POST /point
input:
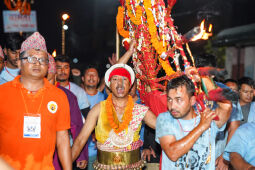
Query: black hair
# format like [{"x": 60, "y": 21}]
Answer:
[
  {"x": 63, "y": 58},
  {"x": 204, "y": 60},
  {"x": 180, "y": 81},
  {"x": 13, "y": 41},
  {"x": 245, "y": 80},
  {"x": 230, "y": 80},
  {"x": 89, "y": 67}
]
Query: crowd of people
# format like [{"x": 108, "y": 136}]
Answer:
[{"x": 48, "y": 122}]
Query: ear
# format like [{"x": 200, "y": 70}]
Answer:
[
  {"x": 82, "y": 78},
  {"x": 193, "y": 100}
]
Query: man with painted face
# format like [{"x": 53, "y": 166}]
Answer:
[
  {"x": 117, "y": 122},
  {"x": 34, "y": 114},
  {"x": 11, "y": 50},
  {"x": 187, "y": 137}
]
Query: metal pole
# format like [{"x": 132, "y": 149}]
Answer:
[{"x": 63, "y": 38}]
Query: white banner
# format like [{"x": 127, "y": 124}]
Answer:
[{"x": 15, "y": 22}]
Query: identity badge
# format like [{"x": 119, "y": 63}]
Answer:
[{"x": 32, "y": 126}]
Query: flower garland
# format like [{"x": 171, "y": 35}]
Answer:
[
  {"x": 166, "y": 66},
  {"x": 119, "y": 22},
  {"x": 23, "y": 7},
  {"x": 136, "y": 20},
  {"x": 127, "y": 117},
  {"x": 158, "y": 45}
]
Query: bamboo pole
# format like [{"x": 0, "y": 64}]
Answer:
[{"x": 117, "y": 45}]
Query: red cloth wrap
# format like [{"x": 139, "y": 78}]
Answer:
[{"x": 120, "y": 72}]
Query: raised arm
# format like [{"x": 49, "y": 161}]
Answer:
[
  {"x": 88, "y": 127},
  {"x": 123, "y": 60},
  {"x": 175, "y": 149},
  {"x": 223, "y": 110}
]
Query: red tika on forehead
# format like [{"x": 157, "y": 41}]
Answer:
[{"x": 120, "y": 72}]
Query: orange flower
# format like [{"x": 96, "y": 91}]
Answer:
[
  {"x": 166, "y": 66},
  {"x": 119, "y": 22},
  {"x": 127, "y": 117},
  {"x": 158, "y": 45},
  {"x": 136, "y": 20}
]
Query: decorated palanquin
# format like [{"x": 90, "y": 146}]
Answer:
[{"x": 160, "y": 51}]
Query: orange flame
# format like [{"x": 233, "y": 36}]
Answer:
[
  {"x": 54, "y": 53},
  {"x": 203, "y": 34}
]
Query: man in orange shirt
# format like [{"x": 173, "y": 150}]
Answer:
[{"x": 34, "y": 115}]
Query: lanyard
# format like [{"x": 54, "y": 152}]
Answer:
[
  {"x": 26, "y": 108},
  {"x": 182, "y": 127}
]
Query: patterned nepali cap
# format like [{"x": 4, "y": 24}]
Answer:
[
  {"x": 1, "y": 52},
  {"x": 35, "y": 41},
  {"x": 52, "y": 64}
]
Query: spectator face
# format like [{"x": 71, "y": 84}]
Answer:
[
  {"x": 63, "y": 71},
  {"x": 246, "y": 93},
  {"x": 12, "y": 57},
  {"x": 36, "y": 66},
  {"x": 119, "y": 86},
  {"x": 91, "y": 78},
  {"x": 233, "y": 86},
  {"x": 179, "y": 102}
]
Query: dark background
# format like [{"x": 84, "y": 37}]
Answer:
[{"x": 91, "y": 33}]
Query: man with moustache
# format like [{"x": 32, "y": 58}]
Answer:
[
  {"x": 34, "y": 114},
  {"x": 187, "y": 138},
  {"x": 90, "y": 80},
  {"x": 117, "y": 122},
  {"x": 11, "y": 50},
  {"x": 63, "y": 73}
]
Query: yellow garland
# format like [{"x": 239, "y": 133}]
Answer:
[
  {"x": 165, "y": 64},
  {"x": 158, "y": 45},
  {"x": 136, "y": 20},
  {"x": 119, "y": 22}
]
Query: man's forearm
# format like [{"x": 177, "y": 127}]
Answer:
[
  {"x": 238, "y": 162},
  {"x": 64, "y": 150},
  {"x": 178, "y": 148}
]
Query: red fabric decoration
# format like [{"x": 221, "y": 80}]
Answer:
[
  {"x": 126, "y": 45},
  {"x": 120, "y": 72}
]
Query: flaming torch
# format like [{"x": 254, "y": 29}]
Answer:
[
  {"x": 203, "y": 34},
  {"x": 54, "y": 53},
  {"x": 198, "y": 33}
]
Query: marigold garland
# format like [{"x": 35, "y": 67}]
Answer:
[
  {"x": 158, "y": 45},
  {"x": 166, "y": 66},
  {"x": 119, "y": 22},
  {"x": 127, "y": 117},
  {"x": 136, "y": 20}
]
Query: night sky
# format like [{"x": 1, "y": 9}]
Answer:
[{"x": 91, "y": 33}]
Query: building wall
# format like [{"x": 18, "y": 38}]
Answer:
[{"x": 246, "y": 66}]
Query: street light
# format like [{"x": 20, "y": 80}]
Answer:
[{"x": 64, "y": 27}]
